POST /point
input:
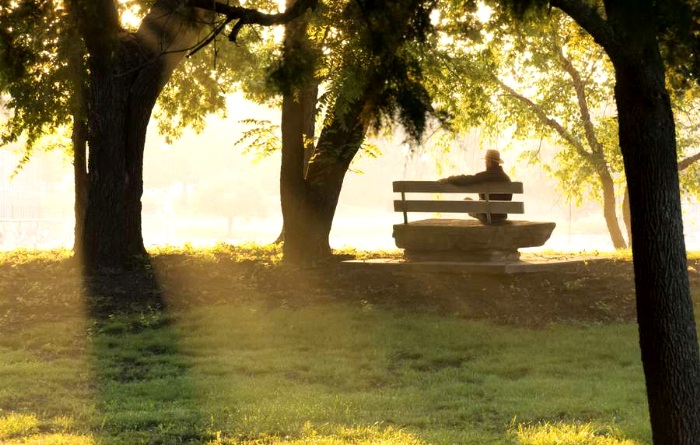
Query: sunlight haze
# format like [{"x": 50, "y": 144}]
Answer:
[{"x": 203, "y": 189}]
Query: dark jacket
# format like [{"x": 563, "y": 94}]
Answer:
[{"x": 492, "y": 174}]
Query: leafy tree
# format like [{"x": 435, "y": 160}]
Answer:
[
  {"x": 366, "y": 79},
  {"x": 376, "y": 76},
  {"x": 118, "y": 79},
  {"x": 550, "y": 79},
  {"x": 633, "y": 35}
]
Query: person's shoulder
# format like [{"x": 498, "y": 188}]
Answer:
[{"x": 503, "y": 174}]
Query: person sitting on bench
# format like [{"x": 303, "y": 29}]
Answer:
[{"x": 493, "y": 173}]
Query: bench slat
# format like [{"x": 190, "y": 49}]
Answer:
[
  {"x": 439, "y": 187},
  {"x": 459, "y": 206}
]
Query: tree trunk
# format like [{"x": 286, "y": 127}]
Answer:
[
  {"x": 609, "y": 210},
  {"x": 79, "y": 136},
  {"x": 127, "y": 73},
  {"x": 667, "y": 332},
  {"x": 306, "y": 109},
  {"x": 298, "y": 129},
  {"x": 309, "y": 99},
  {"x": 295, "y": 206},
  {"x": 80, "y": 176},
  {"x": 104, "y": 240},
  {"x": 337, "y": 146}
]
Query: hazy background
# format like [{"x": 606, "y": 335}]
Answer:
[{"x": 204, "y": 189}]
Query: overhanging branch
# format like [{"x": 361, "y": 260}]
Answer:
[
  {"x": 546, "y": 120},
  {"x": 581, "y": 99},
  {"x": 247, "y": 16},
  {"x": 589, "y": 19}
]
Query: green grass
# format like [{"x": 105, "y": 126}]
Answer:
[{"x": 330, "y": 374}]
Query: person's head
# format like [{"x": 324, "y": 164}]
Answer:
[{"x": 493, "y": 158}]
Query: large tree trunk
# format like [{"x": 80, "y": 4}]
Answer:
[
  {"x": 104, "y": 238},
  {"x": 79, "y": 140},
  {"x": 298, "y": 129},
  {"x": 610, "y": 210},
  {"x": 667, "y": 332},
  {"x": 295, "y": 207},
  {"x": 127, "y": 73},
  {"x": 298, "y": 107}
]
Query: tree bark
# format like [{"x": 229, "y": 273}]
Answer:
[
  {"x": 298, "y": 130},
  {"x": 667, "y": 332},
  {"x": 295, "y": 204},
  {"x": 103, "y": 239},
  {"x": 80, "y": 176},
  {"x": 298, "y": 120}
]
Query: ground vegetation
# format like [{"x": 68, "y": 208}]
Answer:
[{"x": 233, "y": 346}]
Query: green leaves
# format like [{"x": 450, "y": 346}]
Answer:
[{"x": 262, "y": 139}]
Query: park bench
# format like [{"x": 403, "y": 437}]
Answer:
[{"x": 464, "y": 239}]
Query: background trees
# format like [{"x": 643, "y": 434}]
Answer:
[
  {"x": 341, "y": 74},
  {"x": 549, "y": 79},
  {"x": 556, "y": 81}
]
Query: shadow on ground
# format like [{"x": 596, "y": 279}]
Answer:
[{"x": 143, "y": 393}]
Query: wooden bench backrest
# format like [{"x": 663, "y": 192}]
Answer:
[{"x": 487, "y": 206}]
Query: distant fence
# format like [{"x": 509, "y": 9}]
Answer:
[
  {"x": 19, "y": 213},
  {"x": 30, "y": 206}
]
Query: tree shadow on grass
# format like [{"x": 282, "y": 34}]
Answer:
[{"x": 143, "y": 391}]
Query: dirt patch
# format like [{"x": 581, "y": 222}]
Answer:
[{"x": 600, "y": 291}]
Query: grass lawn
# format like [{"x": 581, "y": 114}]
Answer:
[{"x": 215, "y": 352}]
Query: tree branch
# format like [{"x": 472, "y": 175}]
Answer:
[
  {"x": 552, "y": 123},
  {"x": 582, "y": 100},
  {"x": 687, "y": 162},
  {"x": 247, "y": 16},
  {"x": 212, "y": 35},
  {"x": 588, "y": 18}
]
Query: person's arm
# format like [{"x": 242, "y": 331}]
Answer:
[
  {"x": 484, "y": 176},
  {"x": 460, "y": 179}
]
